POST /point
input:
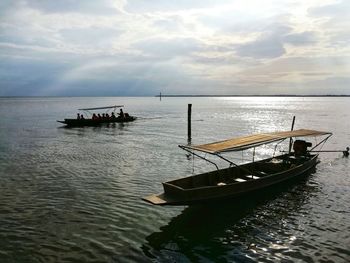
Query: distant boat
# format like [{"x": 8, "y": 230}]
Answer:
[
  {"x": 94, "y": 120},
  {"x": 238, "y": 180}
]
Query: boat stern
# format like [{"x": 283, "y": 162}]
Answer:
[
  {"x": 155, "y": 199},
  {"x": 162, "y": 199}
]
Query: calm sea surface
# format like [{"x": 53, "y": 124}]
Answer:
[{"x": 74, "y": 195}]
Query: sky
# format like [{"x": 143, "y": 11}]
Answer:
[{"x": 143, "y": 47}]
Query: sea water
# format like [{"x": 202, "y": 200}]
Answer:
[{"x": 74, "y": 195}]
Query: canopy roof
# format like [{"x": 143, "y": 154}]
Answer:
[
  {"x": 246, "y": 142},
  {"x": 100, "y": 108}
]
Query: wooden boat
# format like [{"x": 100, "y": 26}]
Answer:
[
  {"x": 238, "y": 180},
  {"x": 98, "y": 121}
]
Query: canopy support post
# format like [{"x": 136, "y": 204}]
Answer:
[
  {"x": 201, "y": 157},
  {"x": 323, "y": 141},
  {"x": 291, "y": 139},
  {"x": 189, "y": 115}
]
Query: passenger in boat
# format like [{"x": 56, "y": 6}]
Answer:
[
  {"x": 78, "y": 116},
  {"x": 107, "y": 116},
  {"x": 113, "y": 115},
  {"x": 103, "y": 116},
  {"x": 94, "y": 117},
  {"x": 99, "y": 116},
  {"x": 121, "y": 113},
  {"x": 82, "y": 117}
]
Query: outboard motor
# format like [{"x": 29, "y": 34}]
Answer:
[{"x": 300, "y": 147}]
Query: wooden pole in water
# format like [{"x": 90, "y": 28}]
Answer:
[
  {"x": 189, "y": 115},
  {"x": 291, "y": 140}
]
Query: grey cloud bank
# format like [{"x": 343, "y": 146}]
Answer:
[{"x": 139, "y": 48}]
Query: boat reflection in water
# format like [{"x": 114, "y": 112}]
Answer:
[{"x": 233, "y": 230}]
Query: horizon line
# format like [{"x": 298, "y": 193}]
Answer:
[
  {"x": 254, "y": 95},
  {"x": 182, "y": 95}
]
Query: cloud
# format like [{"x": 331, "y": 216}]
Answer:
[
  {"x": 6, "y": 6},
  {"x": 269, "y": 45},
  {"x": 90, "y": 36},
  {"x": 301, "y": 65},
  {"x": 335, "y": 21},
  {"x": 169, "y": 48},
  {"x": 96, "y": 77},
  {"x": 100, "y": 7},
  {"x": 166, "y": 6},
  {"x": 170, "y": 23},
  {"x": 120, "y": 47},
  {"x": 301, "y": 75},
  {"x": 23, "y": 77},
  {"x": 329, "y": 85},
  {"x": 300, "y": 39},
  {"x": 335, "y": 10}
]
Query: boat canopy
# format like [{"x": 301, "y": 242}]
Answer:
[
  {"x": 246, "y": 142},
  {"x": 101, "y": 108}
]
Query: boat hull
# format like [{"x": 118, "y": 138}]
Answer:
[
  {"x": 90, "y": 122},
  {"x": 208, "y": 186}
]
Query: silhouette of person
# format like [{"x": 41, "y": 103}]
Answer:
[{"x": 121, "y": 113}]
